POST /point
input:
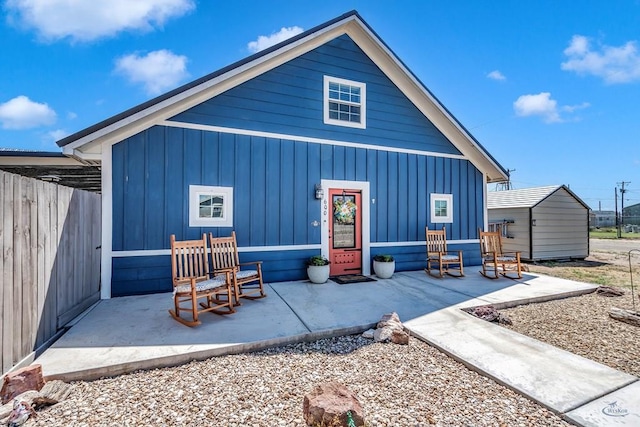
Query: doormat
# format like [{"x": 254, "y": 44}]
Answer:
[{"x": 351, "y": 278}]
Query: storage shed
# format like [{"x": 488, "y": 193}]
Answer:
[{"x": 543, "y": 223}]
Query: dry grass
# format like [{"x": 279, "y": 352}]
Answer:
[{"x": 600, "y": 268}]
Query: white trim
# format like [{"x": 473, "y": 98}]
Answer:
[
  {"x": 436, "y": 197},
  {"x": 167, "y": 252},
  {"x": 325, "y": 214},
  {"x": 161, "y": 252},
  {"x": 195, "y": 191},
  {"x": 107, "y": 224},
  {"x": 362, "y": 124},
  {"x": 485, "y": 206},
  {"x": 299, "y": 138},
  {"x": 422, "y": 243}
]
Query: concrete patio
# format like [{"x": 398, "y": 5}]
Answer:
[{"x": 126, "y": 334}]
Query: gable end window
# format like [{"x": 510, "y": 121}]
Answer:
[
  {"x": 210, "y": 206},
  {"x": 345, "y": 103},
  {"x": 441, "y": 208}
]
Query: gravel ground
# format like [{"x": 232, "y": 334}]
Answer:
[
  {"x": 582, "y": 326},
  {"x": 412, "y": 385}
]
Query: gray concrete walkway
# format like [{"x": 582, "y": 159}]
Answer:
[{"x": 126, "y": 334}]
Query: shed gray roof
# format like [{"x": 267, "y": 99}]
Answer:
[{"x": 524, "y": 197}]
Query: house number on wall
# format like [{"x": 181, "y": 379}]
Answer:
[{"x": 325, "y": 208}]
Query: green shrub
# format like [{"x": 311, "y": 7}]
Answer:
[{"x": 317, "y": 260}]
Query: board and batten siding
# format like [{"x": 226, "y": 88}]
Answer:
[
  {"x": 289, "y": 100},
  {"x": 562, "y": 228},
  {"x": 273, "y": 182},
  {"x": 519, "y": 233}
]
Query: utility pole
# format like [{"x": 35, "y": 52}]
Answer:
[
  {"x": 618, "y": 233},
  {"x": 506, "y": 185},
  {"x": 622, "y": 191}
]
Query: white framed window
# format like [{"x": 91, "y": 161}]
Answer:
[
  {"x": 441, "y": 208},
  {"x": 210, "y": 206},
  {"x": 345, "y": 102}
]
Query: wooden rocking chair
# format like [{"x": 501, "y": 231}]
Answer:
[
  {"x": 438, "y": 255},
  {"x": 247, "y": 283},
  {"x": 192, "y": 281},
  {"x": 495, "y": 262}
]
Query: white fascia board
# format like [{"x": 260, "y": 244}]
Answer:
[
  {"x": 38, "y": 161},
  {"x": 432, "y": 109},
  {"x": 182, "y": 101}
]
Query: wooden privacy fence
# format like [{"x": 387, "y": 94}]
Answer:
[{"x": 50, "y": 264}]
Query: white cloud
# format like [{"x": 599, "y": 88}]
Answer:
[
  {"x": 22, "y": 113},
  {"x": 264, "y": 42},
  {"x": 612, "y": 64},
  {"x": 84, "y": 20},
  {"x": 58, "y": 134},
  {"x": 157, "y": 71},
  {"x": 544, "y": 106},
  {"x": 538, "y": 105},
  {"x": 71, "y": 115},
  {"x": 496, "y": 75},
  {"x": 574, "y": 108}
]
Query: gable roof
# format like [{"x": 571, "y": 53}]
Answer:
[
  {"x": 525, "y": 197},
  {"x": 86, "y": 145}
]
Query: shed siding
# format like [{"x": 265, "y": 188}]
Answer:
[
  {"x": 274, "y": 202},
  {"x": 289, "y": 100},
  {"x": 519, "y": 239},
  {"x": 562, "y": 228}
]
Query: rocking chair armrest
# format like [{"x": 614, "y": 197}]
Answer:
[
  {"x": 491, "y": 254},
  {"x": 458, "y": 253},
  {"x": 226, "y": 270},
  {"x": 251, "y": 263},
  {"x": 513, "y": 253},
  {"x": 187, "y": 280}
]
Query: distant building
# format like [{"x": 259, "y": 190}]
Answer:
[
  {"x": 631, "y": 214},
  {"x": 601, "y": 219}
]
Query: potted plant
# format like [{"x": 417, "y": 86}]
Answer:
[
  {"x": 384, "y": 266},
  {"x": 318, "y": 269}
]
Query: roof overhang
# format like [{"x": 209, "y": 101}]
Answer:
[{"x": 52, "y": 167}]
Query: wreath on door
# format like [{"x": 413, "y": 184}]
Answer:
[{"x": 344, "y": 211}]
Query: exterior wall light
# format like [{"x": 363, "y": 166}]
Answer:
[{"x": 319, "y": 192}]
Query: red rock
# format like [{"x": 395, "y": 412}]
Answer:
[
  {"x": 17, "y": 382},
  {"x": 327, "y": 406}
]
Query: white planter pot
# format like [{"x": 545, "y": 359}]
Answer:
[
  {"x": 384, "y": 270},
  {"x": 318, "y": 273}
]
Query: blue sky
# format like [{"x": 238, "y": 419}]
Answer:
[{"x": 550, "y": 88}]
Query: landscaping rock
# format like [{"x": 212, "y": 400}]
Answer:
[
  {"x": 368, "y": 333},
  {"x": 390, "y": 329},
  {"x": 328, "y": 405},
  {"x": 399, "y": 337},
  {"x": 17, "y": 382},
  {"x": 608, "y": 291},
  {"x": 490, "y": 314}
]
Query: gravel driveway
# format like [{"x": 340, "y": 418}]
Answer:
[{"x": 613, "y": 245}]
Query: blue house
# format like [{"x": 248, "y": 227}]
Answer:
[{"x": 323, "y": 144}]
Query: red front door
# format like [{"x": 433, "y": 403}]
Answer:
[{"x": 345, "y": 231}]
